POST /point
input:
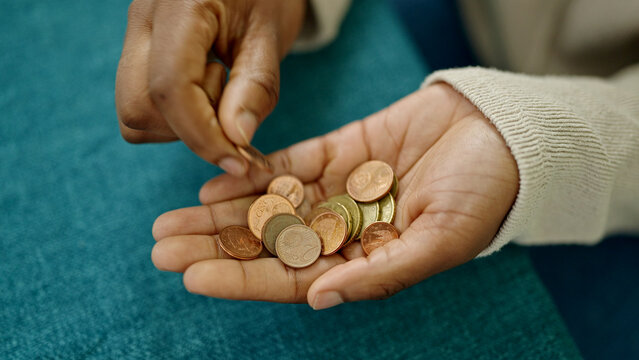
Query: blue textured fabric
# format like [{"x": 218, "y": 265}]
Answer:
[{"x": 77, "y": 204}]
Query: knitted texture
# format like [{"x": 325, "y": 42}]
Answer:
[{"x": 576, "y": 143}]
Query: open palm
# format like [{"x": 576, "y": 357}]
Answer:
[{"x": 457, "y": 182}]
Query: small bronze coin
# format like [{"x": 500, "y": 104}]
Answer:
[
  {"x": 387, "y": 209},
  {"x": 263, "y": 208},
  {"x": 332, "y": 230},
  {"x": 289, "y": 187},
  {"x": 353, "y": 211},
  {"x": 378, "y": 234},
  {"x": 314, "y": 213},
  {"x": 239, "y": 242},
  {"x": 274, "y": 226},
  {"x": 298, "y": 246},
  {"x": 370, "y": 181},
  {"x": 254, "y": 156},
  {"x": 341, "y": 211}
]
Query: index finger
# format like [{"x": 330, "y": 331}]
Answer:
[{"x": 183, "y": 33}]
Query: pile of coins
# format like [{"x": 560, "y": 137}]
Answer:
[{"x": 284, "y": 223}]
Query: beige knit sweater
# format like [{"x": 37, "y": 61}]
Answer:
[{"x": 565, "y": 99}]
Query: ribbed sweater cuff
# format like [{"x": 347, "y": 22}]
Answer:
[{"x": 553, "y": 148}]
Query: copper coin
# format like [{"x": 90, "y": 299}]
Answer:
[
  {"x": 332, "y": 230},
  {"x": 239, "y": 242},
  {"x": 304, "y": 209},
  {"x": 274, "y": 226},
  {"x": 254, "y": 156},
  {"x": 263, "y": 208},
  {"x": 314, "y": 213},
  {"x": 289, "y": 187},
  {"x": 298, "y": 246},
  {"x": 378, "y": 234},
  {"x": 370, "y": 181}
]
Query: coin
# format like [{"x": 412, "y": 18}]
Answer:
[
  {"x": 387, "y": 209},
  {"x": 378, "y": 234},
  {"x": 314, "y": 213},
  {"x": 332, "y": 230},
  {"x": 254, "y": 156},
  {"x": 395, "y": 186},
  {"x": 298, "y": 246},
  {"x": 370, "y": 214},
  {"x": 274, "y": 226},
  {"x": 263, "y": 208},
  {"x": 353, "y": 211},
  {"x": 341, "y": 211},
  {"x": 370, "y": 181},
  {"x": 289, "y": 187},
  {"x": 239, "y": 242}
]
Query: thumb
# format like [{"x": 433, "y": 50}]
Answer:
[
  {"x": 253, "y": 88},
  {"x": 419, "y": 253}
]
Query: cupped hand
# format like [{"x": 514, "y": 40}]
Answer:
[
  {"x": 166, "y": 88},
  {"x": 457, "y": 182}
]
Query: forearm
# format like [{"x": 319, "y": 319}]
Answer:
[{"x": 576, "y": 143}]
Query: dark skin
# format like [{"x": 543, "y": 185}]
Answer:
[{"x": 457, "y": 177}]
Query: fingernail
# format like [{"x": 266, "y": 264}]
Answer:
[
  {"x": 246, "y": 125},
  {"x": 327, "y": 300},
  {"x": 233, "y": 166}
]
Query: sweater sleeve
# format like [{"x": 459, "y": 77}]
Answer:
[
  {"x": 321, "y": 26},
  {"x": 576, "y": 144}
]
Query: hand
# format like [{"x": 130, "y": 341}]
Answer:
[
  {"x": 457, "y": 182},
  {"x": 166, "y": 90}
]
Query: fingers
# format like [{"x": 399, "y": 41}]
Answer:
[
  {"x": 177, "y": 253},
  {"x": 139, "y": 120},
  {"x": 266, "y": 279},
  {"x": 214, "y": 79},
  {"x": 182, "y": 36},
  {"x": 305, "y": 160},
  {"x": 418, "y": 254},
  {"x": 254, "y": 85},
  {"x": 202, "y": 220}
]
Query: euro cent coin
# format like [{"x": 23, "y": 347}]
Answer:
[
  {"x": 377, "y": 235},
  {"x": 239, "y": 242},
  {"x": 274, "y": 226},
  {"x": 370, "y": 214},
  {"x": 387, "y": 208},
  {"x": 370, "y": 181},
  {"x": 332, "y": 230},
  {"x": 289, "y": 187},
  {"x": 354, "y": 212},
  {"x": 298, "y": 246},
  {"x": 255, "y": 157},
  {"x": 263, "y": 208}
]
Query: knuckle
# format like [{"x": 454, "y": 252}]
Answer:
[
  {"x": 268, "y": 81},
  {"x": 162, "y": 88},
  {"x": 388, "y": 289},
  {"x": 133, "y": 118},
  {"x": 137, "y": 8}
]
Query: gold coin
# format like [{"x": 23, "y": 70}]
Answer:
[
  {"x": 353, "y": 211},
  {"x": 370, "y": 214},
  {"x": 395, "y": 187},
  {"x": 289, "y": 187},
  {"x": 274, "y": 226},
  {"x": 298, "y": 246},
  {"x": 332, "y": 230},
  {"x": 341, "y": 211},
  {"x": 255, "y": 157},
  {"x": 387, "y": 209},
  {"x": 378, "y": 234},
  {"x": 370, "y": 181},
  {"x": 263, "y": 208}
]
